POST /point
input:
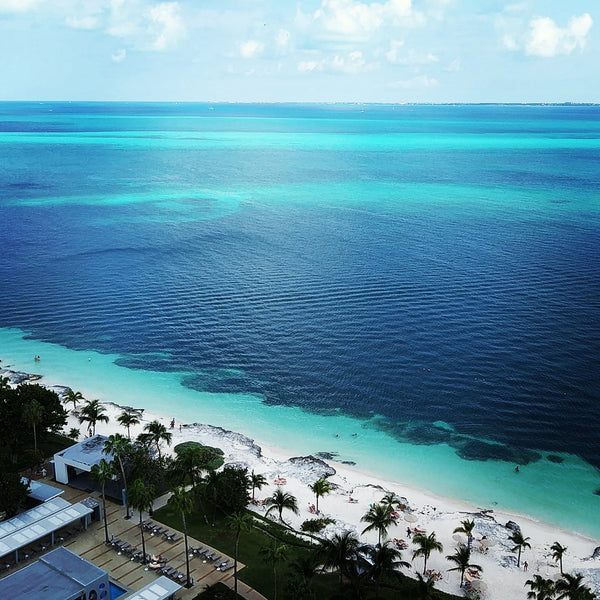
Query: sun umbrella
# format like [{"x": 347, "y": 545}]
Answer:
[
  {"x": 488, "y": 543},
  {"x": 411, "y": 518},
  {"x": 478, "y": 585},
  {"x": 457, "y": 537}
]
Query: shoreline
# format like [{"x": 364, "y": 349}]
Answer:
[{"x": 433, "y": 512}]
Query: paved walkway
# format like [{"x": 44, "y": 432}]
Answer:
[{"x": 132, "y": 574}]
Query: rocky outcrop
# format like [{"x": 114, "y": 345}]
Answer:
[{"x": 513, "y": 527}]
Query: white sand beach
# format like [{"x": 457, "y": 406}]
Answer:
[{"x": 355, "y": 490}]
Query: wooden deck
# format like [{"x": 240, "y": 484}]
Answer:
[{"x": 90, "y": 544}]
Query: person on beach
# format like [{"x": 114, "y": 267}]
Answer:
[
  {"x": 525, "y": 566},
  {"x": 517, "y": 469},
  {"x": 408, "y": 532}
]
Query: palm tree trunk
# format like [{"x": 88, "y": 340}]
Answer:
[
  {"x": 127, "y": 516},
  {"x": 187, "y": 556},
  {"x": 275, "y": 581},
  {"x": 235, "y": 561},
  {"x": 104, "y": 514},
  {"x": 143, "y": 540},
  {"x": 519, "y": 559},
  {"x": 424, "y": 563},
  {"x": 34, "y": 439}
]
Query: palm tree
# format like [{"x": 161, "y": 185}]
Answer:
[
  {"x": 281, "y": 500},
  {"x": 158, "y": 433},
  {"x": 102, "y": 472},
  {"x": 558, "y": 552},
  {"x": 238, "y": 521},
  {"x": 127, "y": 419},
  {"x": 462, "y": 559},
  {"x": 391, "y": 500},
  {"x": 425, "y": 587},
  {"x": 117, "y": 446},
  {"x": 141, "y": 496},
  {"x": 257, "y": 482},
  {"x": 73, "y": 433},
  {"x": 273, "y": 555},
  {"x": 339, "y": 551},
  {"x": 520, "y": 543},
  {"x": 91, "y": 413},
  {"x": 541, "y": 589},
  {"x": 319, "y": 488},
  {"x": 427, "y": 544},
  {"x": 181, "y": 502},
  {"x": 305, "y": 567},
  {"x": 571, "y": 587},
  {"x": 74, "y": 397},
  {"x": 380, "y": 518},
  {"x": 383, "y": 559},
  {"x": 466, "y": 527},
  {"x": 33, "y": 412}
]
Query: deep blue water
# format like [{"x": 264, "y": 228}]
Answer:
[{"x": 422, "y": 263}]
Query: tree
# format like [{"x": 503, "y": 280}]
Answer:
[
  {"x": 558, "y": 552},
  {"x": 466, "y": 527},
  {"x": 319, "y": 488},
  {"x": 116, "y": 446},
  {"x": 91, "y": 413},
  {"x": 238, "y": 522},
  {"x": 541, "y": 589},
  {"x": 380, "y": 518},
  {"x": 73, "y": 433},
  {"x": 232, "y": 489},
  {"x": 13, "y": 492},
  {"x": 32, "y": 415},
  {"x": 425, "y": 587},
  {"x": 257, "y": 481},
  {"x": 427, "y": 544},
  {"x": 520, "y": 543},
  {"x": 127, "y": 419},
  {"x": 571, "y": 587},
  {"x": 391, "y": 500},
  {"x": 157, "y": 433},
  {"x": 101, "y": 473},
  {"x": 462, "y": 559},
  {"x": 182, "y": 503},
  {"x": 74, "y": 397},
  {"x": 141, "y": 496},
  {"x": 273, "y": 555},
  {"x": 338, "y": 552},
  {"x": 281, "y": 500},
  {"x": 383, "y": 559}
]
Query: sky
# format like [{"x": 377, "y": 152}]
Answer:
[{"x": 301, "y": 51}]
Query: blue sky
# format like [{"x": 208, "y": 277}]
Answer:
[{"x": 304, "y": 50}]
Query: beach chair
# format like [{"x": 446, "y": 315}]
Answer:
[
  {"x": 227, "y": 567},
  {"x": 176, "y": 538}
]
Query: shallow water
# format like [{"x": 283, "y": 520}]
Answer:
[{"x": 425, "y": 276}]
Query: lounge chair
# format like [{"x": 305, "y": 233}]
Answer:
[
  {"x": 176, "y": 538},
  {"x": 227, "y": 567}
]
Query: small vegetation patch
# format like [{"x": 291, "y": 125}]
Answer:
[{"x": 316, "y": 525}]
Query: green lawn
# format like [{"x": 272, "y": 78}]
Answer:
[{"x": 259, "y": 575}]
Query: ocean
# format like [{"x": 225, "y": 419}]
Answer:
[{"x": 425, "y": 277}]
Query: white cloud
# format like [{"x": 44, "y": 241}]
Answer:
[
  {"x": 19, "y": 6},
  {"x": 166, "y": 25},
  {"x": 251, "y": 48},
  {"x": 282, "y": 39},
  {"x": 119, "y": 55},
  {"x": 350, "y": 62},
  {"x": 420, "y": 81},
  {"x": 547, "y": 39},
  {"x": 454, "y": 66},
  {"x": 410, "y": 58},
  {"x": 358, "y": 20},
  {"x": 87, "y": 22}
]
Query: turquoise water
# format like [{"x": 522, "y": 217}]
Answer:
[
  {"x": 425, "y": 276},
  {"x": 560, "y": 494}
]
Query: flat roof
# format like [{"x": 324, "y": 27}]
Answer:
[
  {"x": 85, "y": 454},
  {"x": 161, "y": 589},
  {"x": 43, "y": 527},
  {"x": 42, "y": 492},
  {"x": 31, "y": 516},
  {"x": 57, "y": 575}
]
